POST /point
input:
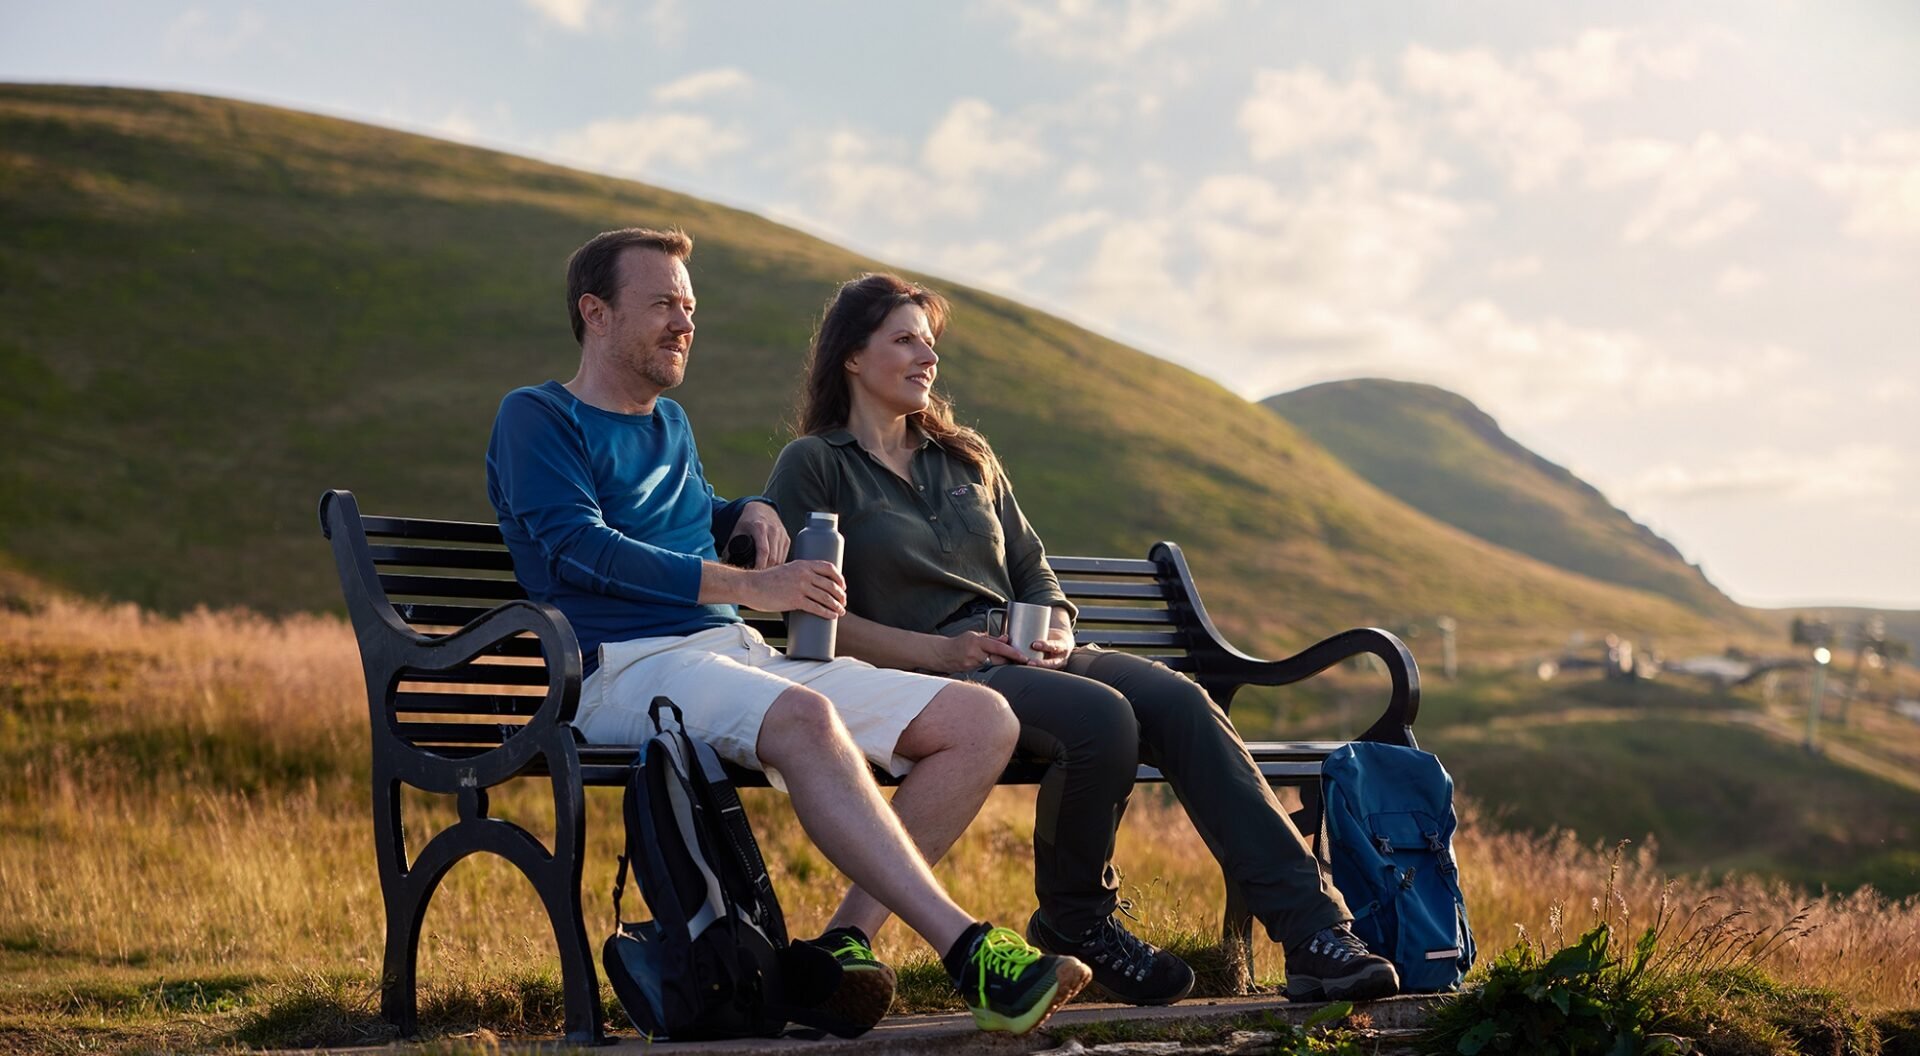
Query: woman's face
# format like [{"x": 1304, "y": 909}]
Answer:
[{"x": 894, "y": 373}]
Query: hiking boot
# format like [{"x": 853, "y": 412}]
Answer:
[
  {"x": 1334, "y": 965},
  {"x": 865, "y": 990},
  {"x": 1011, "y": 986},
  {"x": 1124, "y": 965}
]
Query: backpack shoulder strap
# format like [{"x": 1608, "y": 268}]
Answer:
[{"x": 742, "y": 869}]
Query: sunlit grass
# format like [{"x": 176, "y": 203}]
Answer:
[{"x": 189, "y": 860}]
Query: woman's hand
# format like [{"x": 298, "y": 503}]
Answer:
[
  {"x": 971, "y": 649},
  {"x": 1058, "y": 644}
]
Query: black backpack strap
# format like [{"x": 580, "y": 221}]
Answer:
[
  {"x": 743, "y": 872},
  {"x": 653, "y": 714}
]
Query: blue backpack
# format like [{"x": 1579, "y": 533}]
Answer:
[{"x": 1389, "y": 824}]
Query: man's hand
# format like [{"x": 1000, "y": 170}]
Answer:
[
  {"x": 760, "y": 523},
  {"x": 1057, "y": 645},
  {"x": 797, "y": 586},
  {"x": 971, "y": 649}
]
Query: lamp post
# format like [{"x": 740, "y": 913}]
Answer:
[{"x": 1816, "y": 692}]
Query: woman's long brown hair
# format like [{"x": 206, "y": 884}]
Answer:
[{"x": 854, "y": 312}]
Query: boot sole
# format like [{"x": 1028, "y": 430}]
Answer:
[
  {"x": 858, "y": 1004},
  {"x": 1377, "y": 981},
  {"x": 1069, "y": 978}
]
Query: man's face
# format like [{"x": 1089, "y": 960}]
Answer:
[{"x": 650, "y": 322}]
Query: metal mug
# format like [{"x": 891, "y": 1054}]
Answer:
[{"x": 1027, "y": 624}]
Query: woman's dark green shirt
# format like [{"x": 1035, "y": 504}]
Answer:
[{"x": 917, "y": 552}]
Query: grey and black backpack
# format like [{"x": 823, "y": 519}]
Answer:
[{"x": 714, "y": 962}]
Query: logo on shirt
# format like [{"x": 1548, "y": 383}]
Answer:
[{"x": 961, "y": 491}]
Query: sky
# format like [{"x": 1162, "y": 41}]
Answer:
[{"x": 1674, "y": 247}]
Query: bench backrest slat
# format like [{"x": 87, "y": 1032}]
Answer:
[
  {"x": 1112, "y": 590},
  {"x": 466, "y": 557},
  {"x": 477, "y": 704}
]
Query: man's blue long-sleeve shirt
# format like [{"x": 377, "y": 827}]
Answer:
[{"x": 608, "y": 516}]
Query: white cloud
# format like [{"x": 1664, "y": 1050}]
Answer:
[
  {"x": 196, "y": 34},
  {"x": 1606, "y": 63},
  {"x": 1847, "y": 472},
  {"x": 1069, "y": 225},
  {"x": 860, "y": 178},
  {"x": 971, "y": 140},
  {"x": 859, "y": 181},
  {"x": 1505, "y": 113},
  {"x": 1295, "y": 111},
  {"x": 1507, "y": 269},
  {"x": 726, "y": 80},
  {"x": 1099, "y": 30},
  {"x": 1692, "y": 184},
  {"x": 568, "y": 14},
  {"x": 1081, "y": 179},
  {"x": 1736, "y": 281},
  {"x": 1258, "y": 268},
  {"x": 1879, "y": 180},
  {"x": 643, "y": 144}
]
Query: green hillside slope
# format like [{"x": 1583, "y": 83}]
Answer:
[
  {"x": 1447, "y": 458},
  {"x": 216, "y": 310}
]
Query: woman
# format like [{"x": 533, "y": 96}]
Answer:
[{"x": 936, "y": 545}]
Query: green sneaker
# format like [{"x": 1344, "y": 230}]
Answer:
[
  {"x": 1012, "y": 986},
  {"x": 865, "y": 990}
]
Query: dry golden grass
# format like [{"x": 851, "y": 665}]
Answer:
[{"x": 184, "y": 803}]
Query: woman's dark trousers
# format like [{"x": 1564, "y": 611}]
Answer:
[{"x": 1094, "y": 721}]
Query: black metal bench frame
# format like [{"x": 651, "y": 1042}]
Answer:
[{"x": 470, "y": 685}]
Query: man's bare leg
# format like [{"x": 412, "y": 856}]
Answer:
[
  {"x": 841, "y": 809},
  {"x": 959, "y": 744}
]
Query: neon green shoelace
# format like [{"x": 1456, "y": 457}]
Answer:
[
  {"x": 851, "y": 947},
  {"x": 1004, "y": 953}
]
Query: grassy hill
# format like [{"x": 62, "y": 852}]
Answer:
[
  {"x": 1447, "y": 458},
  {"x": 216, "y": 310}
]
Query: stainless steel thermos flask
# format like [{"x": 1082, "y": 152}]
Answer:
[{"x": 811, "y": 637}]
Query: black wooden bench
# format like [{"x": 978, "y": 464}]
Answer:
[{"x": 469, "y": 685}]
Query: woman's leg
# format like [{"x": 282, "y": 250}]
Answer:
[
  {"x": 1087, "y": 732},
  {"x": 1189, "y": 738}
]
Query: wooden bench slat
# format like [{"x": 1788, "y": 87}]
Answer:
[
  {"x": 425, "y": 528},
  {"x": 1123, "y": 614},
  {"x": 454, "y": 732},
  {"x": 1086, "y": 588},
  {"x": 425, "y": 614},
  {"x": 478, "y": 704},
  {"x": 472, "y": 558},
  {"x": 483, "y": 675},
  {"x": 1102, "y": 566},
  {"x": 450, "y": 586},
  {"x": 1099, "y": 636}
]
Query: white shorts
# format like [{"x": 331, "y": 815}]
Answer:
[{"x": 725, "y": 678}]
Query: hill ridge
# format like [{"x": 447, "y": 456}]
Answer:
[
  {"x": 289, "y": 303},
  {"x": 1440, "y": 453}
]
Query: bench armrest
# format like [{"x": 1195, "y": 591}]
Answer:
[
  {"x": 1227, "y": 668},
  {"x": 1395, "y": 724},
  {"x": 389, "y": 649}
]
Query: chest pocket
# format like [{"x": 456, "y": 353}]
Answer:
[{"x": 974, "y": 509}]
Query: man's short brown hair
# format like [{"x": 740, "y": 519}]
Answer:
[{"x": 595, "y": 267}]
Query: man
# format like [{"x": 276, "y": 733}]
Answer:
[{"x": 609, "y": 517}]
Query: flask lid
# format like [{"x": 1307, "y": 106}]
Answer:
[{"x": 823, "y": 518}]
